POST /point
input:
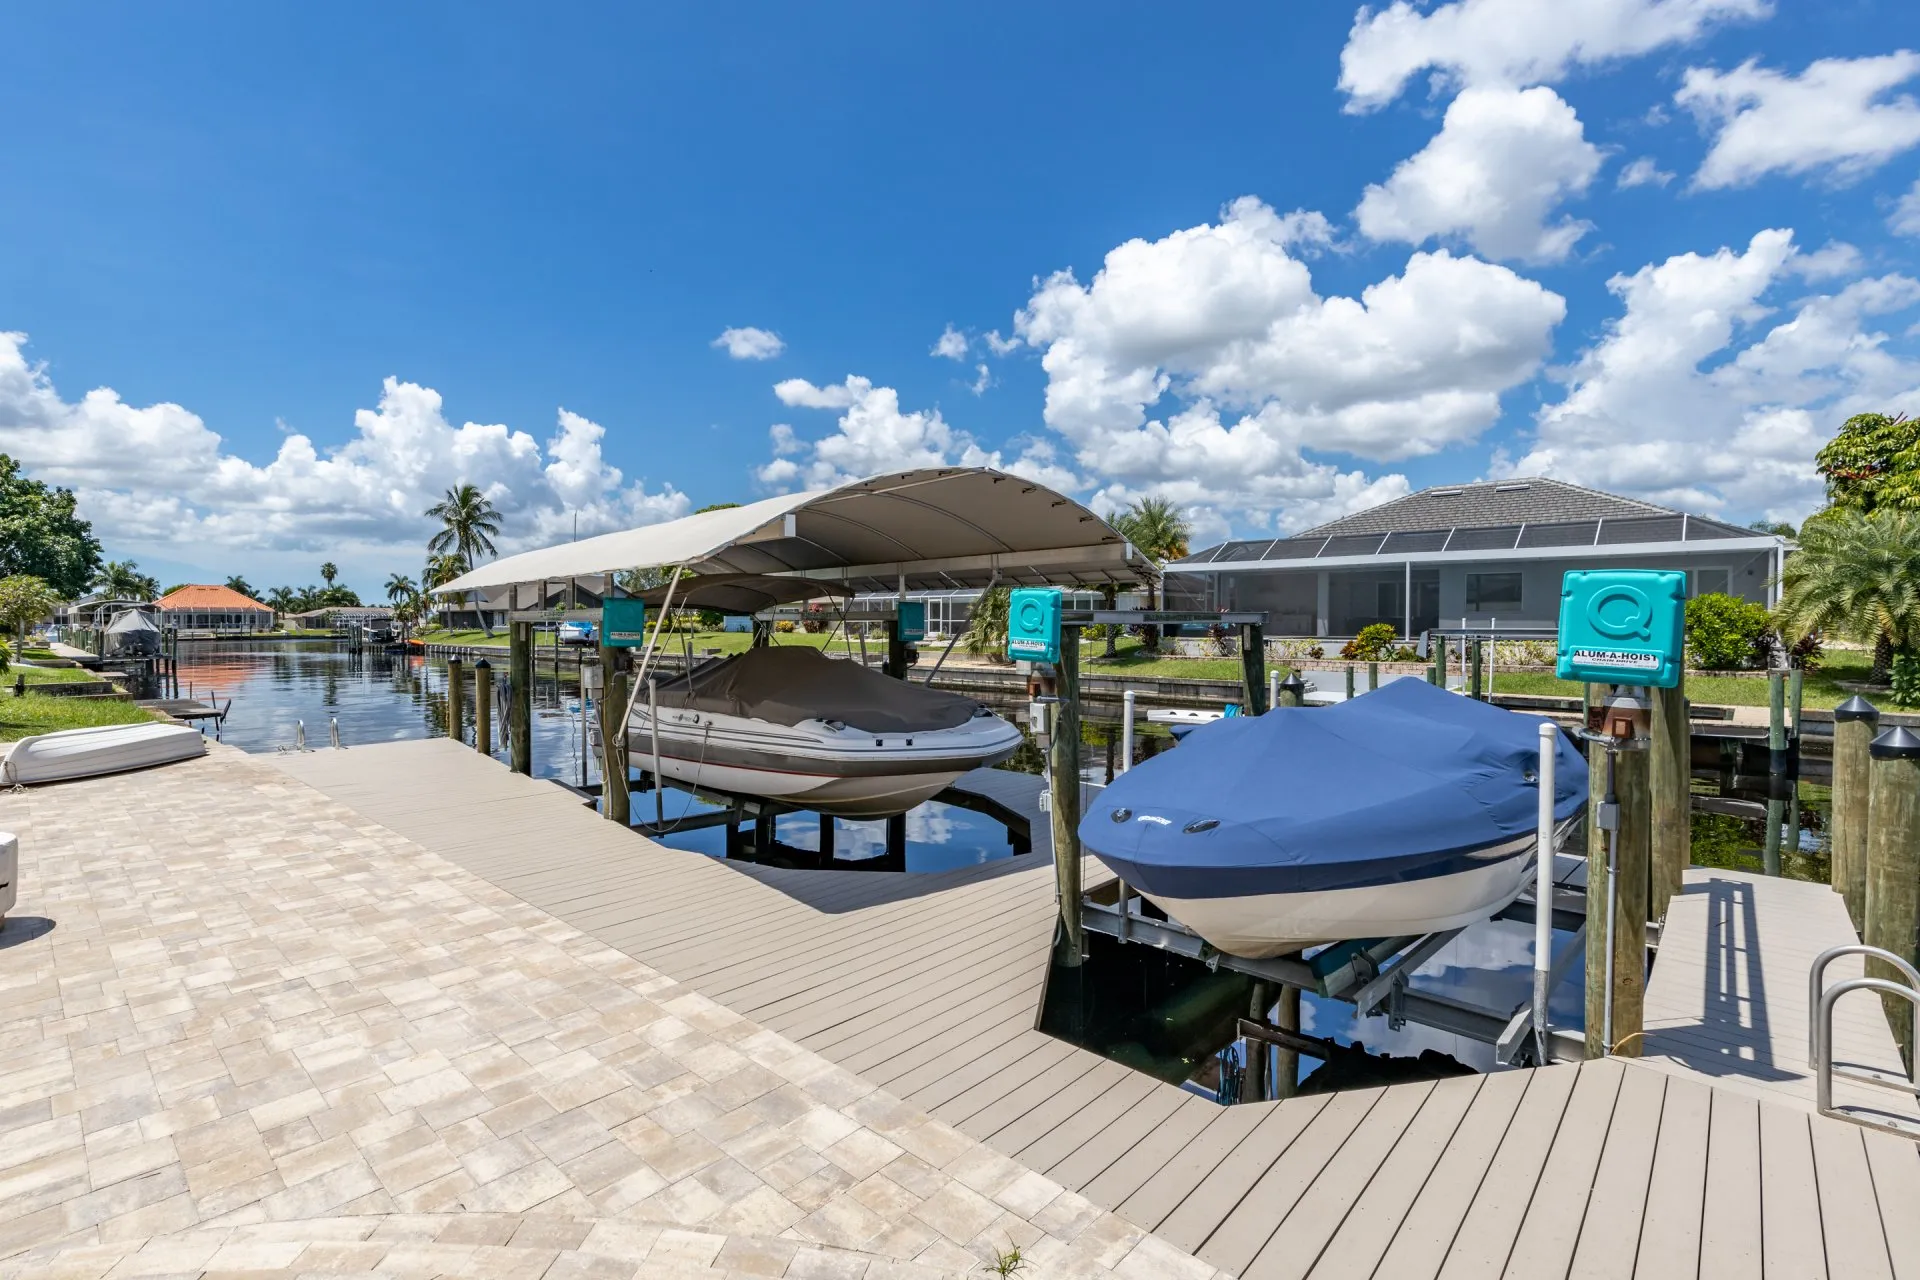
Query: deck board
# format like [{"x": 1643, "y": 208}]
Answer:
[{"x": 928, "y": 986}]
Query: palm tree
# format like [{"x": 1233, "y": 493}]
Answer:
[
  {"x": 329, "y": 571},
  {"x": 1160, "y": 531},
  {"x": 987, "y": 623},
  {"x": 122, "y": 580},
  {"x": 400, "y": 587},
  {"x": 240, "y": 584},
  {"x": 1858, "y": 575},
  {"x": 468, "y": 525},
  {"x": 282, "y": 599}
]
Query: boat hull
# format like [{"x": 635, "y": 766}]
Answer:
[
  {"x": 87, "y": 753},
  {"x": 845, "y": 773},
  {"x": 1262, "y": 925}
]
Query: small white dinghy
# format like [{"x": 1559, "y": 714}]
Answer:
[{"x": 108, "y": 748}]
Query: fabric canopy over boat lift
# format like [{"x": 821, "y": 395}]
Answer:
[
  {"x": 933, "y": 529},
  {"x": 910, "y": 531}
]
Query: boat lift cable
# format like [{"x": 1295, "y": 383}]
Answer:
[{"x": 646, "y": 656}]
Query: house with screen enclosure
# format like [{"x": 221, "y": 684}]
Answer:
[{"x": 1470, "y": 556}]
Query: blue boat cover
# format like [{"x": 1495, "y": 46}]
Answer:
[{"x": 1402, "y": 783}]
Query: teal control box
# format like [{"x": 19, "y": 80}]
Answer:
[
  {"x": 1033, "y": 624},
  {"x": 1623, "y": 626},
  {"x": 623, "y": 622},
  {"x": 910, "y": 620}
]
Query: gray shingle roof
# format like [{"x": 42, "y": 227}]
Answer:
[{"x": 1477, "y": 506}]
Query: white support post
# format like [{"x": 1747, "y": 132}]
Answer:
[
  {"x": 1126, "y": 730},
  {"x": 1543, "y": 890}
]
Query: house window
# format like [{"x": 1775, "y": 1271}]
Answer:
[
  {"x": 1492, "y": 592},
  {"x": 1706, "y": 582}
]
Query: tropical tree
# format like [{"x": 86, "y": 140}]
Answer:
[
  {"x": 240, "y": 584},
  {"x": 122, "y": 580},
  {"x": 400, "y": 588},
  {"x": 41, "y": 536},
  {"x": 283, "y": 600},
  {"x": 468, "y": 525},
  {"x": 1160, "y": 531},
  {"x": 987, "y": 624},
  {"x": 1857, "y": 574},
  {"x": 328, "y": 572},
  {"x": 24, "y": 600},
  {"x": 1873, "y": 461}
]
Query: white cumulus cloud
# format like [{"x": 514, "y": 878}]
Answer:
[
  {"x": 1503, "y": 161},
  {"x": 952, "y": 344},
  {"x": 876, "y": 435},
  {"x": 1642, "y": 173},
  {"x": 159, "y": 477},
  {"x": 750, "y": 343},
  {"x": 1222, "y": 320},
  {"x": 1834, "y": 118},
  {"x": 1691, "y": 398},
  {"x": 1514, "y": 42},
  {"x": 1905, "y": 220}
]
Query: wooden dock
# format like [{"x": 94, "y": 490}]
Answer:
[{"x": 928, "y": 985}]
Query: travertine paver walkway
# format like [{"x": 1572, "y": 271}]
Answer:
[{"x": 260, "y": 1033}]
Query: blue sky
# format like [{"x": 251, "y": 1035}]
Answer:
[{"x": 245, "y": 220}]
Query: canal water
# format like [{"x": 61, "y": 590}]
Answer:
[{"x": 278, "y": 687}]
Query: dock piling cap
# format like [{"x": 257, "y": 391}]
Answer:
[
  {"x": 1897, "y": 743},
  {"x": 1855, "y": 708}
]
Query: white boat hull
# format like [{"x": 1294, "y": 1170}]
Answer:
[
  {"x": 834, "y": 770},
  {"x": 87, "y": 753},
  {"x": 1260, "y": 926}
]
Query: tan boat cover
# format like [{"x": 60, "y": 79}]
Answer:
[{"x": 786, "y": 684}]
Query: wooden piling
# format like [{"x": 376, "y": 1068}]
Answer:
[
  {"x": 1350, "y": 691},
  {"x": 1776, "y": 770},
  {"x": 1631, "y": 787},
  {"x": 483, "y": 707},
  {"x": 1373, "y": 676},
  {"x": 1253, "y": 667},
  {"x": 1855, "y": 723},
  {"x": 1670, "y": 767},
  {"x": 1440, "y": 662},
  {"x": 1286, "y": 1062},
  {"x": 520, "y": 697},
  {"x": 1893, "y": 867},
  {"x": 1255, "y": 1087},
  {"x": 456, "y": 699},
  {"x": 1063, "y": 764},
  {"x": 1476, "y": 650},
  {"x": 616, "y": 802}
]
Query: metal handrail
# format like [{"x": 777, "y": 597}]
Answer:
[
  {"x": 1823, "y": 1047},
  {"x": 1819, "y": 971}
]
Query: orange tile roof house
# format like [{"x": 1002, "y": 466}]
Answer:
[{"x": 218, "y": 609}]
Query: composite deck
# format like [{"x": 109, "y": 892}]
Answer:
[{"x": 928, "y": 986}]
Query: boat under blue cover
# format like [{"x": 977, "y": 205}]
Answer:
[{"x": 1405, "y": 809}]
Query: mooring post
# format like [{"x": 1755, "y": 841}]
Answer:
[
  {"x": 826, "y": 839},
  {"x": 1855, "y": 723},
  {"x": 1128, "y": 705},
  {"x": 1293, "y": 690},
  {"x": 1796, "y": 680},
  {"x": 1440, "y": 663},
  {"x": 1253, "y": 667},
  {"x": 1349, "y": 682},
  {"x": 1063, "y": 769},
  {"x": 616, "y": 804},
  {"x": 1257, "y": 1050},
  {"x": 1671, "y": 782},
  {"x": 1273, "y": 687},
  {"x": 1476, "y": 650},
  {"x": 1629, "y": 821},
  {"x": 456, "y": 699},
  {"x": 1373, "y": 676},
  {"x": 520, "y": 697},
  {"x": 1893, "y": 867},
  {"x": 483, "y": 707},
  {"x": 1776, "y": 770},
  {"x": 1286, "y": 1062}
]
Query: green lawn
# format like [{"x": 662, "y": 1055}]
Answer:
[
  {"x": 49, "y": 675},
  {"x": 1821, "y": 691},
  {"x": 35, "y": 713}
]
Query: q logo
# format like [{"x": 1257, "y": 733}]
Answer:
[
  {"x": 1032, "y": 617},
  {"x": 1622, "y": 612}
]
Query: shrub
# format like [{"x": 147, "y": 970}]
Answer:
[
  {"x": 1723, "y": 631},
  {"x": 813, "y": 625},
  {"x": 784, "y": 626},
  {"x": 1222, "y": 641},
  {"x": 1906, "y": 678},
  {"x": 712, "y": 619},
  {"x": 1375, "y": 641},
  {"x": 1405, "y": 653}
]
